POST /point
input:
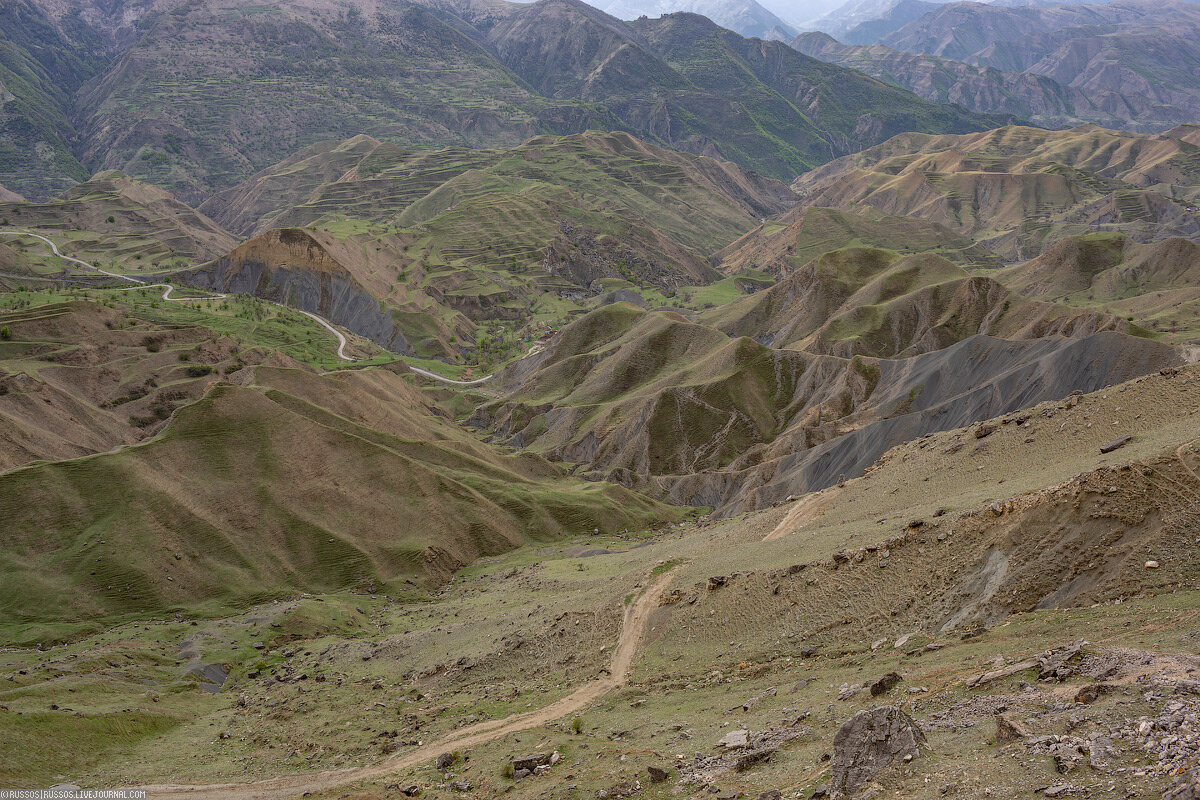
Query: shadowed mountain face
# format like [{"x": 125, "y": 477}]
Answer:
[
  {"x": 196, "y": 96},
  {"x": 1128, "y": 65},
  {"x": 658, "y": 402}
]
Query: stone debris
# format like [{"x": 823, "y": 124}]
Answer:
[
  {"x": 758, "y": 747},
  {"x": 1171, "y": 739},
  {"x": 1062, "y": 662},
  {"x": 752, "y": 759},
  {"x": 847, "y": 691},
  {"x": 1185, "y": 787},
  {"x": 1003, "y": 672}
]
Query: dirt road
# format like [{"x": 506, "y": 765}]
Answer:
[
  {"x": 168, "y": 288},
  {"x": 633, "y": 629}
]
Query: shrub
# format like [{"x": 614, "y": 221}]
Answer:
[
  {"x": 577, "y": 725},
  {"x": 198, "y": 370},
  {"x": 5, "y": 333}
]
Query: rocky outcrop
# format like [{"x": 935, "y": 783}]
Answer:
[
  {"x": 870, "y": 742},
  {"x": 291, "y": 266}
]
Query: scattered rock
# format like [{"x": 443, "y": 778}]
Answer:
[
  {"x": 751, "y": 759},
  {"x": 808, "y": 651},
  {"x": 658, "y": 774},
  {"x": 1185, "y": 787},
  {"x": 716, "y": 582},
  {"x": 869, "y": 742},
  {"x": 1002, "y": 672},
  {"x": 530, "y": 762},
  {"x": 1062, "y": 662},
  {"x": 1010, "y": 729},
  {"x": 770, "y": 794},
  {"x": 412, "y": 790},
  {"x": 444, "y": 761},
  {"x": 848, "y": 691},
  {"x": 1151, "y": 565},
  {"x": 1100, "y": 750},
  {"x": 735, "y": 739},
  {"x": 1116, "y": 444},
  {"x": 984, "y": 429},
  {"x": 884, "y": 684}
]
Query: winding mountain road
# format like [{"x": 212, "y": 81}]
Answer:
[
  {"x": 168, "y": 288},
  {"x": 633, "y": 629},
  {"x": 54, "y": 249}
]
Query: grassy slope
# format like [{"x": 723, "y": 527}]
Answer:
[
  {"x": 117, "y": 223},
  {"x": 1152, "y": 284},
  {"x": 866, "y": 301},
  {"x": 248, "y": 494},
  {"x": 41, "y": 66},
  {"x": 720, "y": 659},
  {"x": 791, "y": 240},
  {"x": 1018, "y": 189}
]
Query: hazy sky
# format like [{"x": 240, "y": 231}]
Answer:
[{"x": 796, "y": 11}]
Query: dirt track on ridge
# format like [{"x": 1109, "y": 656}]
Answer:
[{"x": 632, "y": 630}]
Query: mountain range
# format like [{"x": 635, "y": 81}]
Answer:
[
  {"x": 473, "y": 399},
  {"x": 197, "y": 96},
  {"x": 1127, "y": 65},
  {"x": 745, "y": 17}
]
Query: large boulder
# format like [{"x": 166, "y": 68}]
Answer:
[
  {"x": 869, "y": 742},
  {"x": 1185, "y": 787}
]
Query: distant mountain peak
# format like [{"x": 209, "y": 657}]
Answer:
[{"x": 745, "y": 17}]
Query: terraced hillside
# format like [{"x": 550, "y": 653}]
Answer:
[
  {"x": 114, "y": 221},
  {"x": 197, "y": 96},
  {"x": 416, "y": 249},
  {"x": 1017, "y": 189}
]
